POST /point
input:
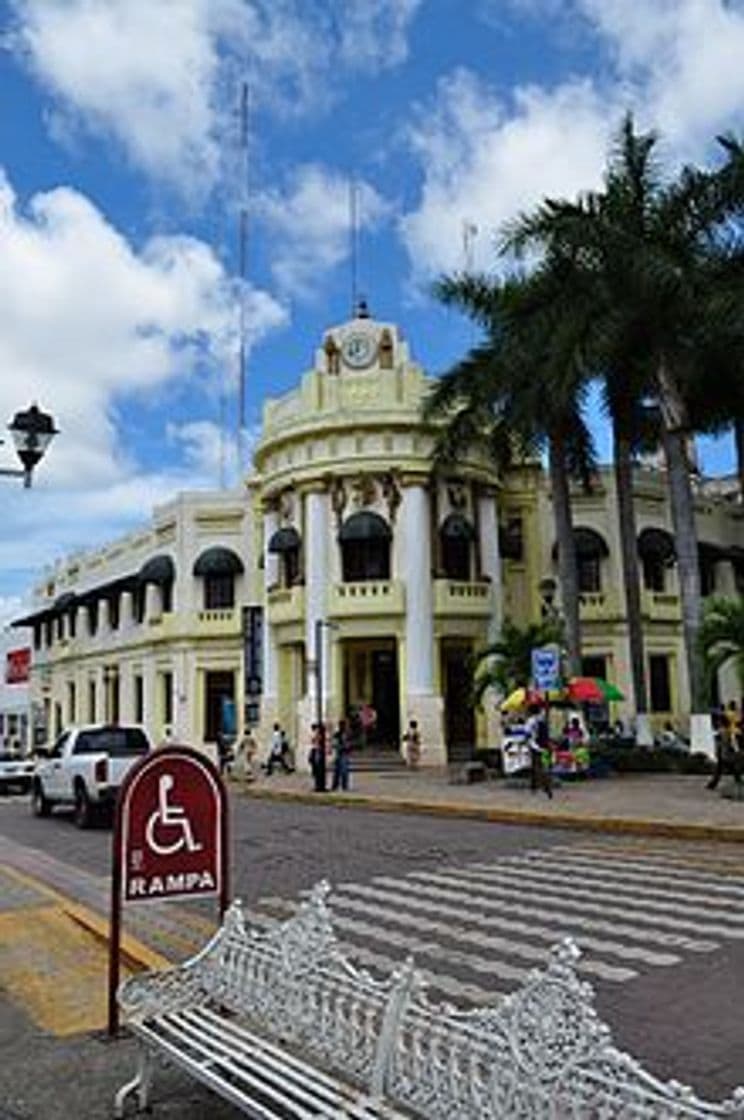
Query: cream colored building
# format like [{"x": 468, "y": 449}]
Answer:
[{"x": 346, "y": 564}]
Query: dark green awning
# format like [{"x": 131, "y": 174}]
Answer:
[
  {"x": 218, "y": 561},
  {"x": 365, "y": 526}
]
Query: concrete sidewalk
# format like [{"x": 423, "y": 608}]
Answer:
[{"x": 646, "y": 804}]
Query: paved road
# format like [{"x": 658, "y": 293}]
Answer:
[{"x": 660, "y": 924}]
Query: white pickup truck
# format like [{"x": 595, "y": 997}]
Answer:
[{"x": 84, "y": 768}]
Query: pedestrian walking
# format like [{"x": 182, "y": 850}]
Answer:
[
  {"x": 317, "y": 757},
  {"x": 412, "y": 745},
  {"x": 246, "y": 755},
  {"x": 539, "y": 741},
  {"x": 341, "y": 756},
  {"x": 279, "y": 752}
]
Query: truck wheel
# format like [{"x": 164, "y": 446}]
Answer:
[
  {"x": 40, "y": 805},
  {"x": 83, "y": 815}
]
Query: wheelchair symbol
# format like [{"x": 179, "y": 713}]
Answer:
[{"x": 169, "y": 817}]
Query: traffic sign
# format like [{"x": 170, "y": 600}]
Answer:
[{"x": 546, "y": 668}]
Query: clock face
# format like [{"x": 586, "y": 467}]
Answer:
[{"x": 358, "y": 350}]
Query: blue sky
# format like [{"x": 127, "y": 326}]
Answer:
[{"x": 121, "y": 176}]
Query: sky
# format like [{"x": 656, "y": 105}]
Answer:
[{"x": 124, "y": 167}]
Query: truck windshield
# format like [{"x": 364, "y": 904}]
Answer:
[{"x": 119, "y": 742}]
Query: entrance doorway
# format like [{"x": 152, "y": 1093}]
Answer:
[
  {"x": 371, "y": 678},
  {"x": 219, "y": 702},
  {"x": 459, "y": 713}
]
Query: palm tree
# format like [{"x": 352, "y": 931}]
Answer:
[
  {"x": 520, "y": 391},
  {"x": 722, "y": 636},
  {"x": 665, "y": 262},
  {"x": 506, "y": 664}
]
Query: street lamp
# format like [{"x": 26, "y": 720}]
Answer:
[
  {"x": 320, "y": 763},
  {"x": 32, "y": 432}
]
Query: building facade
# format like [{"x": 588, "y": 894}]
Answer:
[{"x": 347, "y": 572}]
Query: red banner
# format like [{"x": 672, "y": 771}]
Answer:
[
  {"x": 172, "y": 828},
  {"x": 17, "y": 666}
]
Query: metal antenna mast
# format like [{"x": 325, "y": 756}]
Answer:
[
  {"x": 242, "y": 269},
  {"x": 353, "y": 240}
]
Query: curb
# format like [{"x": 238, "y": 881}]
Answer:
[
  {"x": 454, "y": 810},
  {"x": 134, "y": 953}
]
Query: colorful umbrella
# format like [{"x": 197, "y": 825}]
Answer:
[
  {"x": 593, "y": 690},
  {"x": 525, "y": 698}
]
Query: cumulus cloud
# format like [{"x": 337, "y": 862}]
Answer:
[
  {"x": 88, "y": 323},
  {"x": 484, "y": 157},
  {"x": 160, "y": 77},
  {"x": 309, "y": 225},
  {"x": 484, "y": 161}
]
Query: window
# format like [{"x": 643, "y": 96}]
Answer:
[
  {"x": 73, "y": 622},
  {"x": 91, "y": 700},
  {"x": 707, "y": 576},
  {"x": 37, "y": 635},
  {"x": 594, "y": 665},
  {"x": 118, "y": 742},
  {"x": 61, "y": 627},
  {"x": 139, "y": 602},
  {"x": 166, "y": 591},
  {"x": 92, "y": 617},
  {"x": 589, "y": 573},
  {"x": 661, "y": 693},
  {"x": 71, "y": 706},
  {"x": 167, "y": 679},
  {"x": 654, "y": 573},
  {"x": 365, "y": 540},
  {"x": 456, "y": 536},
  {"x": 511, "y": 539},
  {"x": 219, "y": 592},
  {"x": 290, "y": 567},
  {"x": 139, "y": 699}
]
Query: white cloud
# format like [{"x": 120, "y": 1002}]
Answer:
[
  {"x": 309, "y": 225},
  {"x": 87, "y": 323},
  {"x": 11, "y": 606},
  {"x": 160, "y": 77},
  {"x": 675, "y": 63},
  {"x": 484, "y": 162}
]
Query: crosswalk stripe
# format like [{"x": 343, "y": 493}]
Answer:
[
  {"x": 408, "y": 896},
  {"x": 568, "y": 901},
  {"x": 448, "y": 986},
  {"x": 716, "y": 862},
  {"x": 464, "y": 936},
  {"x": 634, "y": 898},
  {"x": 632, "y": 872}
]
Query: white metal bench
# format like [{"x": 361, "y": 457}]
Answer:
[{"x": 280, "y": 1023}]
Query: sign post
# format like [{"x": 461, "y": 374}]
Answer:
[{"x": 170, "y": 841}]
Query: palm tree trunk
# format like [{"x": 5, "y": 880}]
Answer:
[
  {"x": 629, "y": 554},
  {"x": 568, "y": 574},
  {"x": 739, "y": 443},
  {"x": 674, "y": 438}
]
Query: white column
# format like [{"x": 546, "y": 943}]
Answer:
[
  {"x": 490, "y": 559},
  {"x": 271, "y": 575},
  {"x": 153, "y": 603},
  {"x": 316, "y": 581},
  {"x": 421, "y": 703},
  {"x": 126, "y": 608},
  {"x": 419, "y": 595}
]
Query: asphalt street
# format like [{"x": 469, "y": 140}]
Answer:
[{"x": 660, "y": 924}]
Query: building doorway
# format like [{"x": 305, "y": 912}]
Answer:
[
  {"x": 459, "y": 713},
  {"x": 219, "y": 700},
  {"x": 371, "y": 678}
]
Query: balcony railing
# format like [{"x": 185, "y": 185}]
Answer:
[
  {"x": 462, "y": 597},
  {"x": 367, "y": 597},
  {"x": 663, "y": 606},
  {"x": 599, "y": 605}
]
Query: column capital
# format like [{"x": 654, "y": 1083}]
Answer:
[{"x": 416, "y": 478}]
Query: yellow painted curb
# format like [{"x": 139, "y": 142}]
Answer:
[
  {"x": 527, "y": 817},
  {"x": 134, "y": 954}
]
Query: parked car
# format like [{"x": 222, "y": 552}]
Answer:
[
  {"x": 16, "y": 771},
  {"x": 84, "y": 769}
]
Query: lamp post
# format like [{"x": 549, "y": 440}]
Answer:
[
  {"x": 32, "y": 432},
  {"x": 320, "y": 763}
]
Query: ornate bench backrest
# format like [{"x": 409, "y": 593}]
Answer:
[
  {"x": 541, "y": 1052},
  {"x": 295, "y": 983}
]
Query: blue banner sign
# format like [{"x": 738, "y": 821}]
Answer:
[{"x": 546, "y": 668}]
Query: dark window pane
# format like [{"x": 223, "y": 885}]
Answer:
[
  {"x": 366, "y": 560},
  {"x": 654, "y": 573},
  {"x": 661, "y": 694},
  {"x": 116, "y": 741},
  {"x": 219, "y": 592},
  {"x": 589, "y": 570},
  {"x": 456, "y": 557}
]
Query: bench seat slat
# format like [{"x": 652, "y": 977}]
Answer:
[{"x": 286, "y": 1086}]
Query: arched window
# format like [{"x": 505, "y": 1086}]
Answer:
[
  {"x": 218, "y": 567},
  {"x": 365, "y": 547},
  {"x": 456, "y": 538},
  {"x": 286, "y": 544},
  {"x": 657, "y": 553},
  {"x": 591, "y": 549},
  {"x": 161, "y": 571}
]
